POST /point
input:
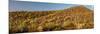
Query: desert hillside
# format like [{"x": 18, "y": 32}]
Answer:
[{"x": 78, "y": 17}]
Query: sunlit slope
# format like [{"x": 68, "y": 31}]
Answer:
[
  {"x": 72, "y": 18},
  {"x": 78, "y": 17}
]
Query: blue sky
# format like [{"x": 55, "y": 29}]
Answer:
[{"x": 39, "y": 6}]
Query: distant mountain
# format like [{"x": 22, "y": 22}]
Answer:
[
  {"x": 72, "y": 18},
  {"x": 78, "y": 9},
  {"x": 73, "y": 11}
]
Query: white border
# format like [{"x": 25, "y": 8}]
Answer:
[
  {"x": 4, "y": 21},
  {"x": 3, "y": 16},
  {"x": 83, "y": 2},
  {"x": 83, "y": 31}
]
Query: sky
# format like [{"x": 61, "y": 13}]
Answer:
[{"x": 39, "y": 6}]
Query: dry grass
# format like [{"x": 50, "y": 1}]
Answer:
[{"x": 73, "y": 18}]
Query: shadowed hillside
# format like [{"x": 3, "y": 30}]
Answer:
[{"x": 78, "y": 17}]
